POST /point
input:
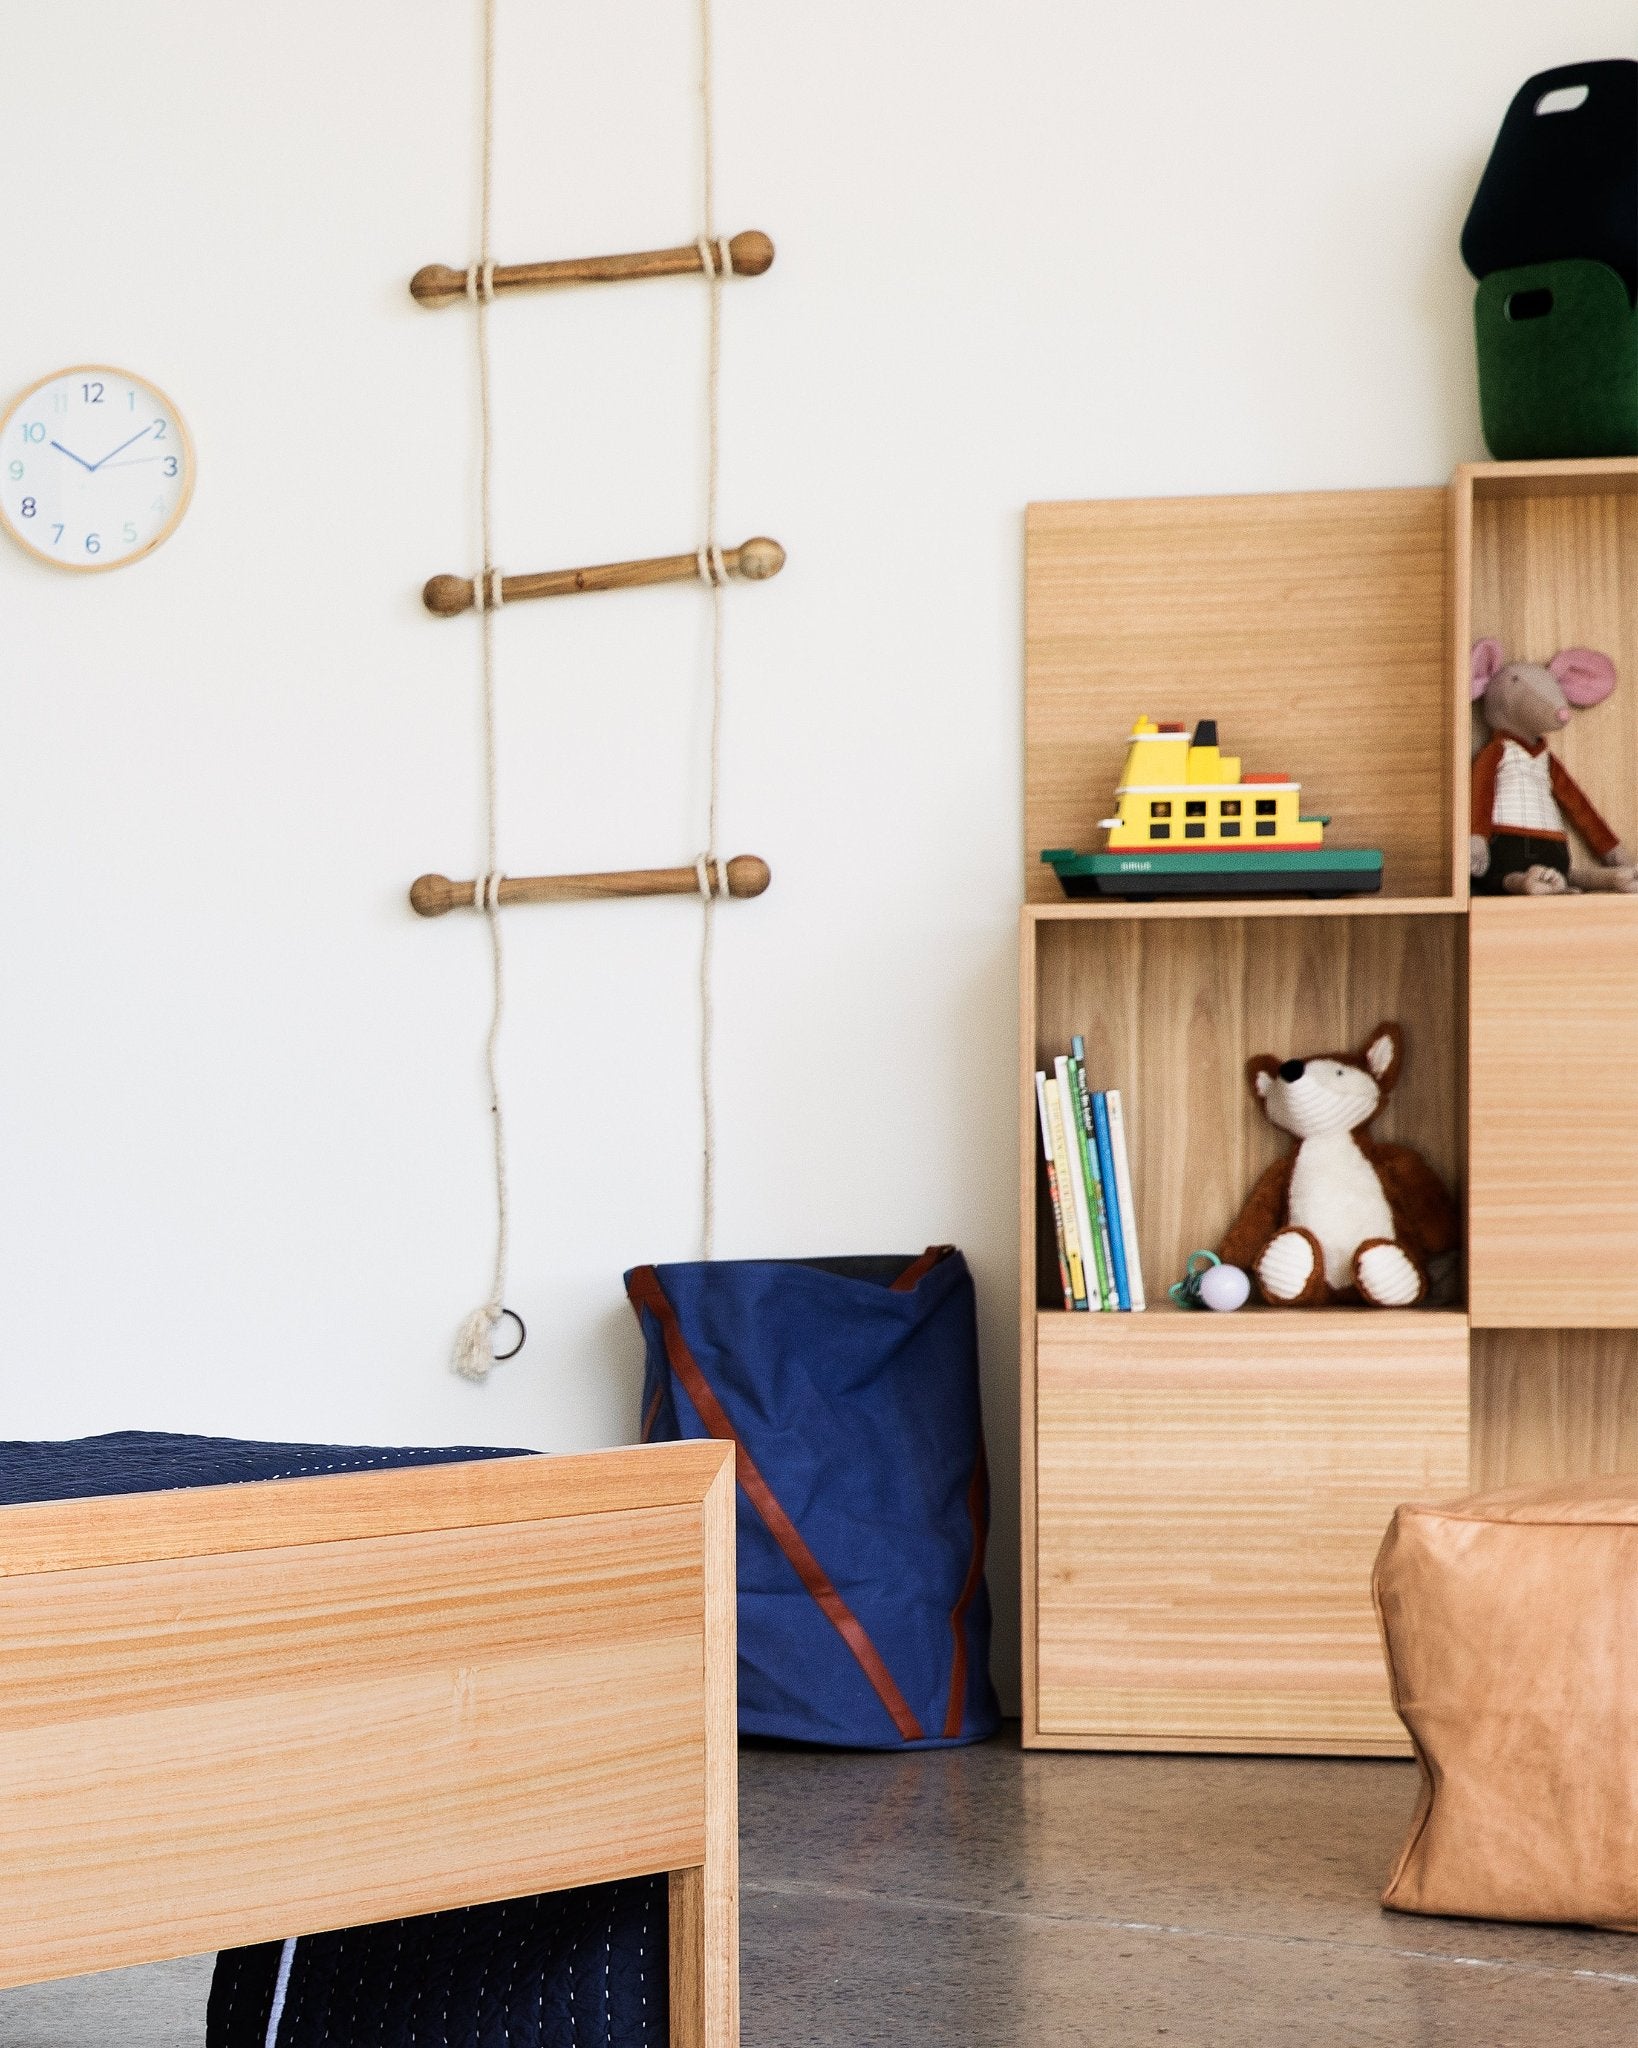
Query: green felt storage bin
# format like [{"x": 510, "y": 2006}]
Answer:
[{"x": 1558, "y": 362}]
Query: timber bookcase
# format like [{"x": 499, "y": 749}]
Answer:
[{"x": 1203, "y": 1495}]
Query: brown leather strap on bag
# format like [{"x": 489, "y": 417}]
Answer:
[
  {"x": 978, "y": 1499},
  {"x": 645, "y": 1292},
  {"x": 918, "y": 1269}
]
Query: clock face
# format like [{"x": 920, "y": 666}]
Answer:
[{"x": 96, "y": 468}]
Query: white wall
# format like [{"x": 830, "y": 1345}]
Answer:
[{"x": 1048, "y": 248}]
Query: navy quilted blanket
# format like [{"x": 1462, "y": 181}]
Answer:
[
  {"x": 150, "y": 1461},
  {"x": 577, "y": 1969}
]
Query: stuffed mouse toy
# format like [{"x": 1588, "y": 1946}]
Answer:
[
  {"x": 1522, "y": 793},
  {"x": 1341, "y": 1218}
]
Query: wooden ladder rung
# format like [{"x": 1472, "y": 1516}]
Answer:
[
  {"x": 755, "y": 560},
  {"x": 432, "y": 895},
  {"x": 750, "y": 253}
]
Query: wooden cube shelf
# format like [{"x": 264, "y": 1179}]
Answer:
[
  {"x": 1203, "y": 1495},
  {"x": 1213, "y": 1490},
  {"x": 1171, "y": 1009},
  {"x": 1313, "y": 626}
]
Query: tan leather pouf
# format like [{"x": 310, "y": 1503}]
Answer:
[{"x": 1511, "y": 1627}]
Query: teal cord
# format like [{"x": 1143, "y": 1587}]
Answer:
[{"x": 1185, "y": 1293}]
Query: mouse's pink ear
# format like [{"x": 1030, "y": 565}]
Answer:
[
  {"x": 1488, "y": 657},
  {"x": 1585, "y": 676}
]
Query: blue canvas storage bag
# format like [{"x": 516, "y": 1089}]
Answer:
[{"x": 849, "y": 1388}]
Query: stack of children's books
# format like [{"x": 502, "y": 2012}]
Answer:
[{"x": 1083, "y": 1135}]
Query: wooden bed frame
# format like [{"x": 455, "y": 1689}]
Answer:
[{"x": 239, "y": 1713}]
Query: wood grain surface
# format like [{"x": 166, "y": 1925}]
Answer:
[
  {"x": 339, "y": 1507},
  {"x": 1554, "y": 1200},
  {"x": 1313, "y": 626},
  {"x": 1213, "y": 1492},
  {"x": 705, "y": 1897},
  {"x": 1553, "y": 1404},
  {"x": 203, "y": 1751},
  {"x": 242, "y": 1712}
]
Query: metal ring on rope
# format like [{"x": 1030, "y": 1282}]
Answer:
[{"x": 511, "y": 1315}]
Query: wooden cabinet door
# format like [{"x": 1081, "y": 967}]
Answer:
[
  {"x": 1553, "y": 1112},
  {"x": 1211, "y": 1492}
]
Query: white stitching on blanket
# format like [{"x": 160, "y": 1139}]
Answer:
[{"x": 608, "y": 1951}]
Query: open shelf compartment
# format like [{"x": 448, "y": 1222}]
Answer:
[
  {"x": 1171, "y": 1012},
  {"x": 1313, "y": 626},
  {"x": 1547, "y": 557}
]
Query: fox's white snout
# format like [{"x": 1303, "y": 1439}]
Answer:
[{"x": 1310, "y": 1097}]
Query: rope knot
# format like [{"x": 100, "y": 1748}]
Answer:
[
  {"x": 716, "y": 258},
  {"x": 710, "y": 567},
  {"x": 480, "y": 282},
  {"x": 486, "y": 892},
  {"x": 488, "y": 591},
  {"x": 711, "y": 873}
]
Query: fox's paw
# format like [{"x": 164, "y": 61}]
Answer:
[
  {"x": 1387, "y": 1275},
  {"x": 1289, "y": 1267}
]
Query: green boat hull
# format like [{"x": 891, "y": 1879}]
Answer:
[{"x": 1144, "y": 877}]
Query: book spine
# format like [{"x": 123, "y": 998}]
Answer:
[
  {"x": 1076, "y": 1153},
  {"x": 1106, "y": 1163},
  {"x": 1128, "y": 1207},
  {"x": 1094, "y": 1180},
  {"x": 1052, "y": 1189},
  {"x": 1066, "y": 1202}
]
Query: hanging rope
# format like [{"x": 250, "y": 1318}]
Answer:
[
  {"x": 475, "y": 1346},
  {"x": 717, "y": 263}
]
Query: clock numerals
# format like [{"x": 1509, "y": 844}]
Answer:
[{"x": 79, "y": 490}]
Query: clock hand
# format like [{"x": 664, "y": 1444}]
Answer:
[
  {"x": 80, "y": 459},
  {"x": 137, "y": 436}
]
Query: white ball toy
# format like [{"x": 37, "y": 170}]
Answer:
[{"x": 1224, "y": 1288}]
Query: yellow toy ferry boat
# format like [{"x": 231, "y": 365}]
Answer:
[{"x": 1189, "y": 823}]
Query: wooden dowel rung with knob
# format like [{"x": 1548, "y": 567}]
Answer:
[
  {"x": 432, "y": 895},
  {"x": 755, "y": 560},
  {"x": 438, "y": 283}
]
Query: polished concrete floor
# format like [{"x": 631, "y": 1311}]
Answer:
[{"x": 987, "y": 1899}]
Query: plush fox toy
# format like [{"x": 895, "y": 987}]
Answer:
[{"x": 1340, "y": 1218}]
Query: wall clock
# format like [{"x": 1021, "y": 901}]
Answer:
[{"x": 96, "y": 468}]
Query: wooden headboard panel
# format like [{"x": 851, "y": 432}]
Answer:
[{"x": 244, "y": 1712}]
